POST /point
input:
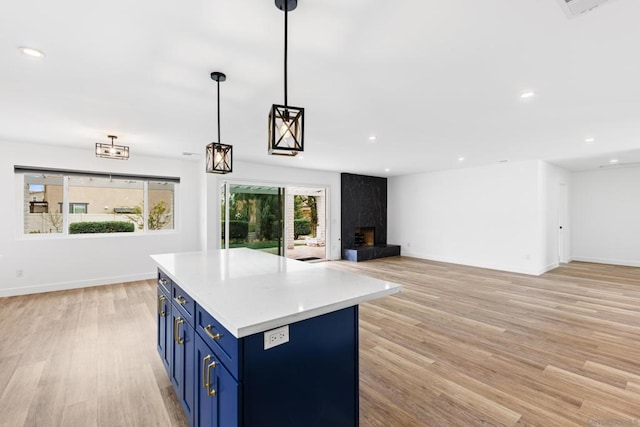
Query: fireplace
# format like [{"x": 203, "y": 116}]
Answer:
[
  {"x": 364, "y": 236},
  {"x": 364, "y": 218}
]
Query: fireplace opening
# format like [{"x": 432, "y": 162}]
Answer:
[{"x": 364, "y": 236}]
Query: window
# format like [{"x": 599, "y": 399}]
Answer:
[
  {"x": 40, "y": 191},
  {"x": 75, "y": 207},
  {"x": 161, "y": 205},
  {"x": 74, "y": 202}
]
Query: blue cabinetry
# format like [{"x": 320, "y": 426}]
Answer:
[
  {"x": 218, "y": 393},
  {"x": 181, "y": 368},
  {"x": 311, "y": 381},
  {"x": 224, "y": 345},
  {"x": 164, "y": 318},
  {"x": 224, "y": 381}
]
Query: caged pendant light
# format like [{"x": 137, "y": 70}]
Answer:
[
  {"x": 218, "y": 155},
  {"x": 112, "y": 151},
  {"x": 286, "y": 123}
]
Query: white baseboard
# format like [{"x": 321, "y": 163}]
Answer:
[
  {"x": 550, "y": 267},
  {"x": 63, "y": 286},
  {"x": 624, "y": 262},
  {"x": 490, "y": 266}
]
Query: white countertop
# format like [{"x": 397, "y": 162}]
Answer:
[{"x": 249, "y": 291}]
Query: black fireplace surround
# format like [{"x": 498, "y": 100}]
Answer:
[{"x": 364, "y": 206}]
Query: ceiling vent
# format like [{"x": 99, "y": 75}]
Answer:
[{"x": 574, "y": 8}]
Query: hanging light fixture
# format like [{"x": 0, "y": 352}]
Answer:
[
  {"x": 286, "y": 123},
  {"x": 219, "y": 155},
  {"x": 112, "y": 151}
]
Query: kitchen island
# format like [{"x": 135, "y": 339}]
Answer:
[{"x": 253, "y": 339}]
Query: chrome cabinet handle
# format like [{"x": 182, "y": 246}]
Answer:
[
  {"x": 205, "y": 379},
  {"x": 209, "y": 391},
  {"x": 176, "y": 330},
  {"x": 161, "y": 311},
  {"x": 207, "y": 329}
]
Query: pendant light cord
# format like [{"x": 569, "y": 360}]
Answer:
[
  {"x": 219, "y": 111},
  {"x": 286, "y": 22}
]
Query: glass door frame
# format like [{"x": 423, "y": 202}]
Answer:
[
  {"x": 225, "y": 185},
  {"x": 325, "y": 189}
]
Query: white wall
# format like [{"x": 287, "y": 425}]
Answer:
[
  {"x": 244, "y": 172},
  {"x": 489, "y": 216},
  {"x": 77, "y": 261},
  {"x": 606, "y": 216}
]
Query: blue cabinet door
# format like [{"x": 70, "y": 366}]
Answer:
[
  {"x": 217, "y": 392},
  {"x": 163, "y": 339},
  {"x": 206, "y": 400},
  {"x": 182, "y": 371},
  {"x": 228, "y": 399}
]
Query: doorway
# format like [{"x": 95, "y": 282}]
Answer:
[
  {"x": 306, "y": 223},
  {"x": 289, "y": 221},
  {"x": 252, "y": 217}
]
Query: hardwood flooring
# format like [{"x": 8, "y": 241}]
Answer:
[
  {"x": 84, "y": 357},
  {"x": 460, "y": 346}
]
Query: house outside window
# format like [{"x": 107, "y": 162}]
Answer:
[{"x": 75, "y": 208}]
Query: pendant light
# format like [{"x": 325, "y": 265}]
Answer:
[
  {"x": 112, "y": 151},
  {"x": 286, "y": 123},
  {"x": 219, "y": 155}
]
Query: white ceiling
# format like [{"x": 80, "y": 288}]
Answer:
[{"x": 432, "y": 80}]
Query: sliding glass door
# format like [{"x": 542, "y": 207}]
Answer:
[
  {"x": 306, "y": 225},
  {"x": 252, "y": 217}
]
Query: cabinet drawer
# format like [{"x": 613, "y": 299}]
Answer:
[
  {"x": 164, "y": 283},
  {"x": 220, "y": 340},
  {"x": 183, "y": 302}
]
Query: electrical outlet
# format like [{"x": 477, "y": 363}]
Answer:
[
  {"x": 276, "y": 337},
  {"x": 19, "y": 273}
]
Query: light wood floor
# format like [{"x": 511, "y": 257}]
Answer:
[{"x": 460, "y": 346}]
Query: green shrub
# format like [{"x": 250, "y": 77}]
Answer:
[
  {"x": 301, "y": 227},
  {"x": 101, "y": 227},
  {"x": 255, "y": 245},
  {"x": 237, "y": 229}
]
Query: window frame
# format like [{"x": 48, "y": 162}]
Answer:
[{"x": 21, "y": 171}]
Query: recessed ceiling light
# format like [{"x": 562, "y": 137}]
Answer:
[
  {"x": 503, "y": 161},
  {"x": 589, "y": 140},
  {"x": 613, "y": 161},
  {"x": 372, "y": 138},
  {"x": 300, "y": 157},
  {"x": 387, "y": 170},
  {"x": 461, "y": 159},
  {"x": 31, "y": 51},
  {"x": 527, "y": 94}
]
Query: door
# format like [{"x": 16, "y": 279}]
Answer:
[
  {"x": 252, "y": 217},
  {"x": 562, "y": 223},
  {"x": 306, "y": 224}
]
